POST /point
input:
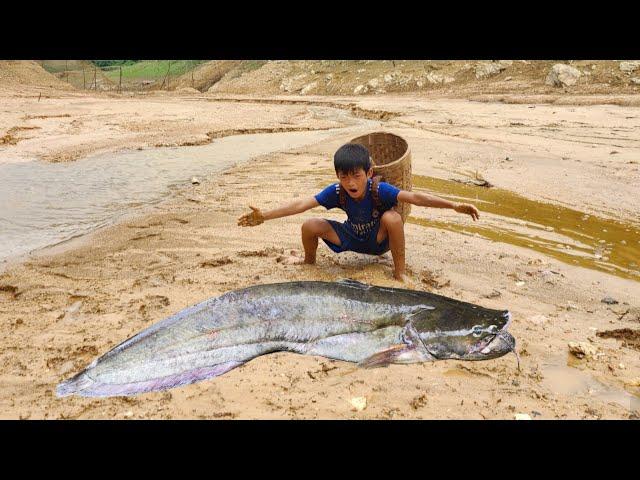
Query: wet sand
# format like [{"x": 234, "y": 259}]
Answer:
[{"x": 65, "y": 306}]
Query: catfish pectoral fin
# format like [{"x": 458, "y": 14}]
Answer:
[{"x": 401, "y": 353}]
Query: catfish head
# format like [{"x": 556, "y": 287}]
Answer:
[{"x": 483, "y": 341}]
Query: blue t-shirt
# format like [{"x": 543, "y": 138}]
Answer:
[{"x": 362, "y": 216}]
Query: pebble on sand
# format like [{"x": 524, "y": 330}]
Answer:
[
  {"x": 359, "y": 403},
  {"x": 195, "y": 181},
  {"x": 522, "y": 416},
  {"x": 582, "y": 349},
  {"x": 538, "y": 319},
  {"x": 609, "y": 300}
]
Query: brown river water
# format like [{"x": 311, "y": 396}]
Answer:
[{"x": 568, "y": 235}]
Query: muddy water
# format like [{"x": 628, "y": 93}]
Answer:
[
  {"x": 563, "y": 378},
  {"x": 45, "y": 203},
  {"x": 568, "y": 235}
]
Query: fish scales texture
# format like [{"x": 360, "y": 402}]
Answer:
[{"x": 344, "y": 320}]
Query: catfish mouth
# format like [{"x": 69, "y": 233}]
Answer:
[
  {"x": 501, "y": 344},
  {"x": 497, "y": 345}
]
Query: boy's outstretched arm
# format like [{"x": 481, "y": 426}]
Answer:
[
  {"x": 257, "y": 216},
  {"x": 426, "y": 200}
]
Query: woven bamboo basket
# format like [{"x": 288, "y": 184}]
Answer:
[{"x": 391, "y": 159}]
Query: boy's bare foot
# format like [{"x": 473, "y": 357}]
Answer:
[
  {"x": 292, "y": 258},
  {"x": 404, "y": 279},
  {"x": 401, "y": 277}
]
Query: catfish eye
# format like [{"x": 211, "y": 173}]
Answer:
[{"x": 476, "y": 330}]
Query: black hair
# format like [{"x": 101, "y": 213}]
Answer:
[{"x": 351, "y": 157}]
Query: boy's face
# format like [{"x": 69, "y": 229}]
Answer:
[{"x": 355, "y": 183}]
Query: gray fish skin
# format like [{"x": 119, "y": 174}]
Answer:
[{"x": 345, "y": 320}]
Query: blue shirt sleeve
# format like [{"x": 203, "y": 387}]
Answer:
[
  {"x": 388, "y": 194},
  {"x": 329, "y": 197}
]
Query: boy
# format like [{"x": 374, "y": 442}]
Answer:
[{"x": 371, "y": 227}]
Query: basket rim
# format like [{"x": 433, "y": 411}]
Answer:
[{"x": 395, "y": 162}]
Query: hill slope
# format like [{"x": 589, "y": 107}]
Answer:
[
  {"x": 25, "y": 73},
  {"x": 360, "y": 77}
]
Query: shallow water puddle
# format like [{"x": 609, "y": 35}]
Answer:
[
  {"x": 561, "y": 378},
  {"x": 568, "y": 235},
  {"x": 45, "y": 203}
]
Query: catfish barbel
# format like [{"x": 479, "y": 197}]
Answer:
[{"x": 345, "y": 320}]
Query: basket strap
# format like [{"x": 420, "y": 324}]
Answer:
[
  {"x": 375, "y": 185},
  {"x": 342, "y": 198}
]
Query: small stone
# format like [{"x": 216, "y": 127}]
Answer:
[
  {"x": 538, "y": 319},
  {"x": 582, "y": 350},
  {"x": 74, "y": 308},
  {"x": 520, "y": 283},
  {"x": 360, "y": 89},
  {"x": 308, "y": 88},
  {"x": 373, "y": 83},
  {"x": 609, "y": 300},
  {"x": 629, "y": 67},
  {"x": 621, "y": 366},
  {"x": 195, "y": 181},
  {"x": 562, "y": 75},
  {"x": 571, "y": 306},
  {"x": 128, "y": 414},
  {"x": 522, "y": 416},
  {"x": 488, "y": 69},
  {"x": 359, "y": 403},
  {"x": 508, "y": 79}
]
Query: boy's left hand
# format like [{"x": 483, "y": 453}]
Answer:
[{"x": 468, "y": 209}]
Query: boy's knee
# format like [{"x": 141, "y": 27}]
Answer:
[
  {"x": 391, "y": 218},
  {"x": 314, "y": 226}
]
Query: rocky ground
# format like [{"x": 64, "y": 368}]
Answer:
[{"x": 449, "y": 77}]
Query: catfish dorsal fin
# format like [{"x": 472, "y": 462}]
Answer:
[{"x": 353, "y": 283}]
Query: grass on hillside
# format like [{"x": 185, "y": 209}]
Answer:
[{"x": 151, "y": 69}]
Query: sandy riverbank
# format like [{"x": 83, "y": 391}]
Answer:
[{"x": 61, "y": 309}]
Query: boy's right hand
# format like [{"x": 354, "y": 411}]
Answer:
[{"x": 251, "y": 219}]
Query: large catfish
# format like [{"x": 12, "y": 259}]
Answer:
[{"x": 345, "y": 320}]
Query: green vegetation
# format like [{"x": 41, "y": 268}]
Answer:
[
  {"x": 112, "y": 63},
  {"x": 149, "y": 69}
]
